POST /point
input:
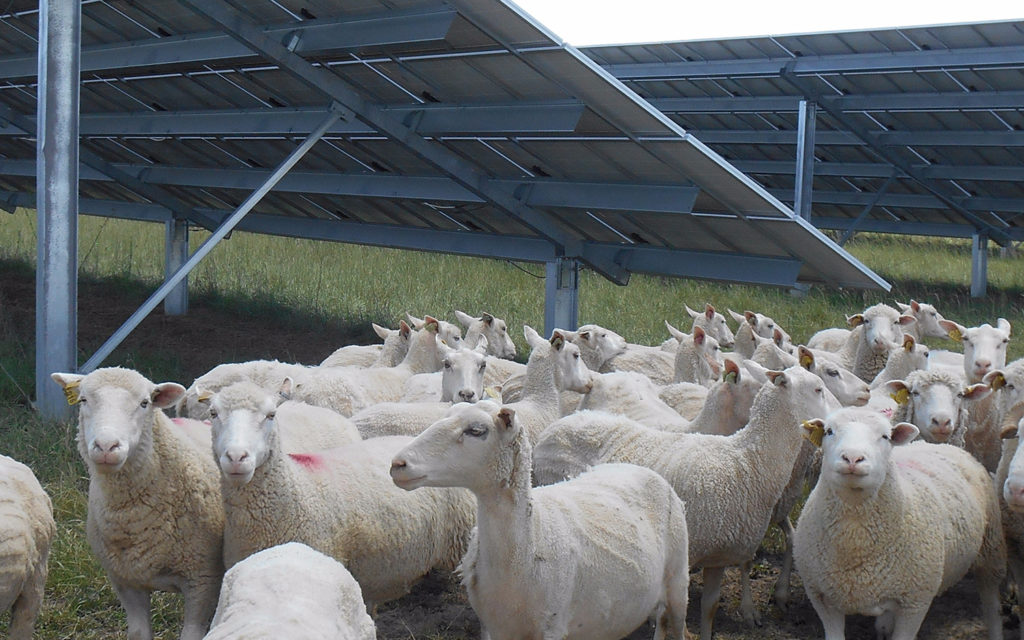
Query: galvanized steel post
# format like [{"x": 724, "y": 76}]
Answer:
[
  {"x": 60, "y": 23},
  {"x": 805, "y": 159},
  {"x": 979, "y": 265},
  {"x": 175, "y": 255},
  {"x": 561, "y": 295}
]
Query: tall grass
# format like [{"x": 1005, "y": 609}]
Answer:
[{"x": 297, "y": 281}]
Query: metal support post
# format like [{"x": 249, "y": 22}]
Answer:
[
  {"x": 60, "y": 23},
  {"x": 175, "y": 255},
  {"x": 211, "y": 242},
  {"x": 979, "y": 265},
  {"x": 561, "y": 295},
  {"x": 805, "y": 159}
]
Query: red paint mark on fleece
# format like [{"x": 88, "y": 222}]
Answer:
[{"x": 307, "y": 460}]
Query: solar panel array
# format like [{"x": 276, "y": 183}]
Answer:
[
  {"x": 465, "y": 126},
  {"x": 925, "y": 124}
]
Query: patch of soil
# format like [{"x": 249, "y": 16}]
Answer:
[{"x": 437, "y": 607}]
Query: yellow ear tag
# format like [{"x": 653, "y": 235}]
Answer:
[
  {"x": 806, "y": 361},
  {"x": 492, "y": 393},
  {"x": 998, "y": 382},
  {"x": 730, "y": 376},
  {"x": 956, "y": 335},
  {"x": 71, "y": 393},
  {"x": 901, "y": 397},
  {"x": 813, "y": 433}
]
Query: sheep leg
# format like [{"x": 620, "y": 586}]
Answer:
[
  {"x": 748, "y": 610},
  {"x": 833, "y": 620},
  {"x": 1016, "y": 566},
  {"x": 200, "y": 604},
  {"x": 907, "y": 622},
  {"x": 781, "y": 594},
  {"x": 25, "y": 609},
  {"x": 988, "y": 591},
  {"x": 709, "y": 599},
  {"x": 136, "y": 608}
]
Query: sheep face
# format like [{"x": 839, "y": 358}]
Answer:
[
  {"x": 1008, "y": 385},
  {"x": 242, "y": 420},
  {"x": 467, "y": 448},
  {"x": 603, "y": 343},
  {"x": 848, "y": 389},
  {"x": 984, "y": 346},
  {"x": 714, "y": 324},
  {"x": 883, "y": 327},
  {"x": 116, "y": 410},
  {"x": 856, "y": 445},
  {"x": 462, "y": 374},
  {"x": 927, "y": 317},
  {"x": 571, "y": 372},
  {"x": 936, "y": 401}
]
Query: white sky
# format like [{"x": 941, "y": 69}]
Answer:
[{"x": 585, "y": 22}]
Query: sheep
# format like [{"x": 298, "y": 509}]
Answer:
[
  {"x": 713, "y": 323},
  {"x": 338, "y": 501},
  {"x": 613, "y": 530},
  {"x": 730, "y": 484},
  {"x": 597, "y": 344},
  {"x": 846, "y": 387},
  {"x": 545, "y": 378},
  {"x": 462, "y": 381},
  {"x": 984, "y": 349},
  {"x": 769, "y": 354},
  {"x": 656, "y": 364},
  {"x": 632, "y": 394},
  {"x": 268, "y": 374},
  {"x": 447, "y": 332},
  {"x": 349, "y": 390},
  {"x": 937, "y": 403},
  {"x": 155, "y": 520},
  {"x": 931, "y": 513},
  {"x": 461, "y": 378},
  {"x": 901, "y": 362},
  {"x": 698, "y": 357},
  {"x": 290, "y": 590},
  {"x": 751, "y": 323},
  {"x": 389, "y": 354},
  {"x": 494, "y": 330},
  {"x": 26, "y": 532},
  {"x": 688, "y": 398},
  {"x": 875, "y": 333},
  {"x": 927, "y": 317}
]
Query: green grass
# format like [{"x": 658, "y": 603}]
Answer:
[{"x": 307, "y": 284}]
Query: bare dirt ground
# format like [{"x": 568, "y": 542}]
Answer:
[{"x": 437, "y": 608}]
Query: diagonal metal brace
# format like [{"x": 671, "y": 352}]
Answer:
[{"x": 223, "y": 230}]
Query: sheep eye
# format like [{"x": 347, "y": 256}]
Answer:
[
  {"x": 915, "y": 393},
  {"x": 829, "y": 431},
  {"x": 885, "y": 436},
  {"x": 271, "y": 415},
  {"x": 483, "y": 366},
  {"x": 144, "y": 404},
  {"x": 833, "y": 372},
  {"x": 475, "y": 431},
  {"x": 81, "y": 400},
  {"x": 576, "y": 356},
  {"x": 960, "y": 394},
  {"x": 447, "y": 365},
  {"x": 933, "y": 314},
  {"x": 213, "y": 413},
  {"x": 1010, "y": 387},
  {"x": 1006, "y": 340},
  {"x": 818, "y": 390}
]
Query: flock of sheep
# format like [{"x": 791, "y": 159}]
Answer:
[{"x": 575, "y": 494}]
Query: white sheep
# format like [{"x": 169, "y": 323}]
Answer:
[
  {"x": 294, "y": 591},
  {"x": 26, "y": 532},
  {"x": 555, "y": 562},
  {"x": 632, "y": 394},
  {"x": 730, "y": 484},
  {"x": 931, "y": 513},
  {"x": 698, "y": 357},
  {"x": 937, "y": 403},
  {"x": 928, "y": 320},
  {"x": 653, "y": 362},
  {"x": 155, "y": 518},
  {"x": 846, "y": 387},
  {"x": 338, "y": 501},
  {"x": 751, "y": 323},
  {"x": 597, "y": 344},
  {"x": 770, "y": 355},
  {"x": 984, "y": 349},
  {"x": 348, "y": 390},
  {"x": 389, "y": 354},
  {"x": 268, "y": 374},
  {"x": 866, "y": 347},
  {"x": 713, "y": 323},
  {"x": 447, "y": 332},
  {"x": 901, "y": 362},
  {"x": 462, "y": 380},
  {"x": 493, "y": 330}
]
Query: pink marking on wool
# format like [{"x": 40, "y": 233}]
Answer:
[
  {"x": 887, "y": 412},
  {"x": 307, "y": 460},
  {"x": 178, "y": 421}
]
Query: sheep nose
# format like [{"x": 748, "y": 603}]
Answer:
[
  {"x": 942, "y": 426},
  {"x": 1015, "y": 494},
  {"x": 398, "y": 463},
  {"x": 106, "y": 446},
  {"x": 982, "y": 365},
  {"x": 236, "y": 456},
  {"x": 852, "y": 460},
  {"x": 467, "y": 395}
]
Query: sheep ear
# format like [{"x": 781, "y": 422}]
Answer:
[
  {"x": 953, "y": 330},
  {"x": 915, "y": 306},
  {"x": 908, "y": 342},
  {"x": 675, "y": 333},
  {"x": 285, "y": 392},
  {"x": 750, "y": 317},
  {"x": 977, "y": 391},
  {"x": 430, "y": 324},
  {"x": 1008, "y": 431},
  {"x": 898, "y": 391},
  {"x": 69, "y": 383},
  {"x": 904, "y": 432},
  {"x": 203, "y": 396},
  {"x": 382, "y": 332},
  {"x": 486, "y": 317},
  {"x": 693, "y": 314},
  {"x": 583, "y": 335},
  {"x": 905, "y": 320},
  {"x": 505, "y": 418},
  {"x": 404, "y": 329},
  {"x": 1004, "y": 325},
  {"x": 481, "y": 347},
  {"x": 855, "y": 320},
  {"x": 778, "y": 378},
  {"x": 532, "y": 337},
  {"x": 906, "y": 307},
  {"x": 732, "y": 371},
  {"x": 996, "y": 380},
  {"x": 806, "y": 358},
  {"x": 778, "y": 337},
  {"x": 166, "y": 394},
  {"x": 709, "y": 312},
  {"x": 557, "y": 340},
  {"x": 416, "y": 323},
  {"x": 736, "y": 316},
  {"x": 699, "y": 335},
  {"x": 814, "y": 431},
  {"x": 464, "y": 318}
]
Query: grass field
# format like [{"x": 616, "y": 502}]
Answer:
[{"x": 291, "y": 299}]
